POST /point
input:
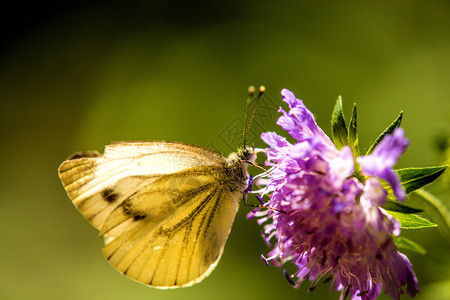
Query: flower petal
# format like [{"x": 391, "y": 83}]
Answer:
[
  {"x": 384, "y": 157},
  {"x": 299, "y": 122}
]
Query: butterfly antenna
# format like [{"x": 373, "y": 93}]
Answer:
[
  {"x": 262, "y": 89},
  {"x": 251, "y": 92}
]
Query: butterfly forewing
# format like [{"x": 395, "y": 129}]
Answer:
[
  {"x": 98, "y": 183},
  {"x": 165, "y": 209}
]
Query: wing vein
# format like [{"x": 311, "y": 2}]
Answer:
[
  {"x": 176, "y": 228},
  {"x": 204, "y": 204}
]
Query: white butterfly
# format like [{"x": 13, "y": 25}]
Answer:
[{"x": 165, "y": 209}]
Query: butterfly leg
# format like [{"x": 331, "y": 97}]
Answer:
[{"x": 249, "y": 189}]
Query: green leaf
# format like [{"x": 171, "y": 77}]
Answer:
[
  {"x": 415, "y": 178},
  {"x": 435, "y": 208},
  {"x": 353, "y": 133},
  {"x": 338, "y": 127},
  {"x": 388, "y": 130},
  {"x": 408, "y": 221},
  {"x": 411, "y": 179},
  {"x": 395, "y": 206},
  {"x": 404, "y": 243}
]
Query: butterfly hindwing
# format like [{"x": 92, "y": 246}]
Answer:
[{"x": 175, "y": 228}]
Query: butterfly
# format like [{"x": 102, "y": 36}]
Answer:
[{"x": 164, "y": 209}]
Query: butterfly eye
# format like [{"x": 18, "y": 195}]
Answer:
[{"x": 248, "y": 154}]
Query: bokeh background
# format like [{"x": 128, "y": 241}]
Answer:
[{"x": 75, "y": 75}]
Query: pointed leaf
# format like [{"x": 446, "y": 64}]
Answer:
[
  {"x": 338, "y": 127},
  {"x": 388, "y": 130},
  {"x": 404, "y": 243},
  {"x": 415, "y": 178},
  {"x": 435, "y": 208},
  {"x": 353, "y": 133},
  {"x": 408, "y": 221},
  {"x": 411, "y": 180},
  {"x": 395, "y": 206}
]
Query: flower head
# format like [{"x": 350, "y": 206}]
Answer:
[{"x": 326, "y": 221}]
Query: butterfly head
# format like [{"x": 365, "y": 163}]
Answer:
[
  {"x": 247, "y": 154},
  {"x": 238, "y": 163},
  {"x": 242, "y": 157}
]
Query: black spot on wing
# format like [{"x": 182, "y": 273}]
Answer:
[
  {"x": 132, "y": 213},
  {"x": 126, "y": 207},
  {"x": 109, "y": 195},
  {"x": 138, "y": 217}
]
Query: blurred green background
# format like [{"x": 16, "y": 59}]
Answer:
[{"x": 76, "y": 75}]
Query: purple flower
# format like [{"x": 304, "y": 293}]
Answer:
[
  {"x": 326, "y": 221},
  {"x": 384, "y": 157}
]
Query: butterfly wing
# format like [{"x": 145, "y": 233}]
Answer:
[
  {"x": 99, "y": 183},
  {"x": 174, "y": 229},
  {"x": 165, "y": 209}
]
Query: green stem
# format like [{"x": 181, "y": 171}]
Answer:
[{"x": 438, "y": 211}]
